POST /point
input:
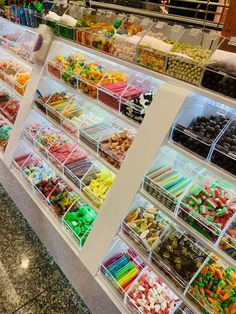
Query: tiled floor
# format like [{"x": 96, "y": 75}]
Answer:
[{"x": 30, "y": 281}]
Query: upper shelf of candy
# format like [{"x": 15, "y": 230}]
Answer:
[
  {"x": 200, "y": 57},
  {"x": 124, "y": 90}
]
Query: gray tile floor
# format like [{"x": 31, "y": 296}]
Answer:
[{"x": 30, "y": 281}]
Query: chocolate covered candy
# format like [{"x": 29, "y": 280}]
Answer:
[
  {"x": 179, "y": 256},
  {"x": 200, "y": 134}
]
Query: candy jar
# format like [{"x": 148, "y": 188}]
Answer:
[
  {"x": 155, "y": 45},
  {"x": 187, "y": 56},
  {"x": 220, "y": 70},
  {"x": 127, "y": 37}
]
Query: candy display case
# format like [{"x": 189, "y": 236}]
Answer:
[
  {"x": 198, "y": 130},
  {"x": 187, "y": 56},
  {"x": 144, "y": 224},
  {"x": 114, "y": 147},
  {"x": 228, "y": 240},
  {"x": 121, "y": 266},
  {"x": 89, "y": 19},
  {"x": 179, "y": 256},
  {"x": 169, "y": 177},
  {"x": 213, "y": 287},
  {"x": 138, "y": 96},
  {"x": 220, "y": 70},
  {"x": 149, "y": 294},
  {"x": 128, "y": 35},
  {"x": 155, "y": 45},
  {"x": 208, "y": 205},
  {"x": 78, "y": 221},
  {"x": 224, "y": 152}
]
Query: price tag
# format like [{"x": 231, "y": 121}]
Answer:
[
  {"x": 74, "y": 223},
  {"x": 178, "y": 232},
  {"x": 146, "y": 22},
  {"x": 195, "y": 31},
  {"x": 108, "y": 14},
  {"x": 232, "y": 42},
  {"x": 177, "y": 28},
  {"x": 160, "y": 24}
]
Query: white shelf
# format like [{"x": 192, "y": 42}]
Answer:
[
  {"x": 82, "y": 144},
  {"x": 168, "y": 79},
  {"x": 164, "y": 278},
  {"x": 64, "y": 177},
  {"x": 211, "y": 167},
  {"x": 208, "y": 244},
  {"x": 112, "y": 294},
  {"x": 96, "y": 102}
]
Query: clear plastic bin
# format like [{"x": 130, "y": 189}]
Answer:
[
  {"x": 114, "y": 148},
  {"x": 14, "y": 73},
  {"x": 179, "y": 256},
  {"x": 169, "y": 177},
  {"x": 11, "y": 109},
  {"x": 61, "y": 198},
  {"x": 155, "y": 45},
  {"x": 149, "y": 294},
  {"x": 188, "y": 55},
  {"x": 92, "y": 135},
  {"x": 5, "y": 131},
  {"x": 54, "y": 15},
  {"x": 85, "y": 24},
  {"x": 208, "y": 205},
  {"x": 102, "y": 32},
  {"x": 78, "y": 221},
  {"x": 199, "y": 124},
  {"x": 113, "y": 85},
  {"x": 220, "y": 70},
  {"x": 118, "y": 252},
  {"x": 144, "y": 224},
  {"x": 128, "y": 36},
  {"x": 224, "y": 152},
  {"x": 228, "y": 241},
  {"x": 213, "y": 295},
  {"x": 135, "y": 106},
  {"x": 67, "y": 23},
  {"x": 96, "y": 183}
]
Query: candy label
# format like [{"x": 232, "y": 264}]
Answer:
[
  {"x": 177, "y": 28},
  {"x": 195, "y": 31},
  {"x": 160, "y": 25},
  {"x": 232, "y": 42}
]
